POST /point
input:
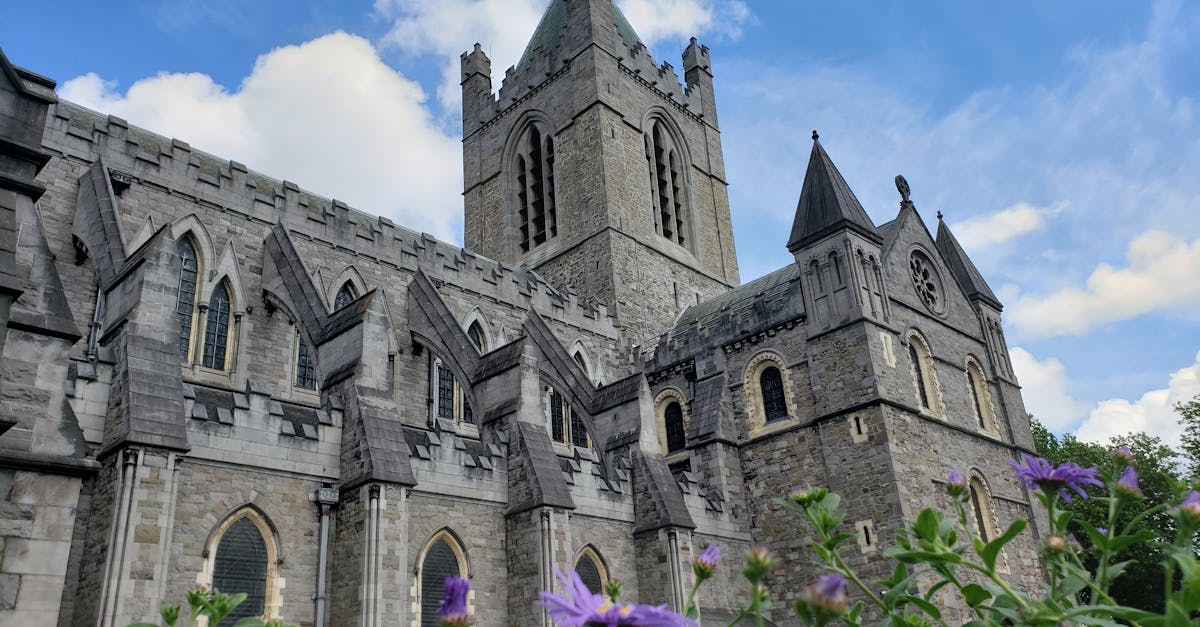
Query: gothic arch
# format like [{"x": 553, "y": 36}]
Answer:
[
  {"x": 583, "y": 358},
  {"x": 426, "y": 591},
  {"x": 273, "y": 585},
  {"x": 670, "y": 162},
  {"x": 981, "y": 512},
  {"x": 191, "y": 226},
  {"x": 924, "y": 373},
  {"x": 226, "y": 268},
  {"x": 980, "y": 395},
  {"x": 590, "y": 555},
  {"x": 476, "y": 316},
  {"x": 531, "y": 216},
  {"x": 350, "y": 275}
]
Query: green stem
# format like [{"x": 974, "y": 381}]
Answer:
[{"x": 1102, "y": 573}]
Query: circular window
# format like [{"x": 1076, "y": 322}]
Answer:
[{"x": 926, "y": 280}]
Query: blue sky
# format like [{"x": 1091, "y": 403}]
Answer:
[{"x": 1061, "y": 139}]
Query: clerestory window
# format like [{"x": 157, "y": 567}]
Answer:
[
  {"x": 216, "y": 329},
  {"x": 185, "y": 304}
]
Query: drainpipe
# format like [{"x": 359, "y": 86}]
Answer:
[
  {"x": 118, "y": 538},
  {"x": 326, "y": 499},
  {"x": 371, "y": 560},
  {"x": 547, "y": 559},
  {"x": 676, "y": 569}
]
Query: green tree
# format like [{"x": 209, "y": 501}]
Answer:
[
  {"x": 1189, "y": 419},
  {"x": 1141, "y": 585}
]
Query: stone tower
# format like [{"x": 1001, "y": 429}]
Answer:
[{"x": 596, "y": 168}]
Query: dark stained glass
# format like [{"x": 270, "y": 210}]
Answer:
[
  {"x": 676, "y": 437},
  {"x": 305, "y": 375},
  {"x": 186, "y": 295},
  {"x": 216, "y": 331},
  {"x": 579, "y": 435},
  {"x": 439, "y": 564},
  {"x": 241, "y": 566},
  {"x": 558, "y": 426},
  {"x": 774, "y": 405},
  {"x": 589, "y": 573},
  {"x": 445, "y": 392},
  {"x": 344, "y": 295}
]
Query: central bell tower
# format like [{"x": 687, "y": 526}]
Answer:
[{"x": 597, "y": 169}]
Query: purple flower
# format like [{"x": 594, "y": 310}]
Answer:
[
  {"x": 1123, "y": 452},
  {"x": 453, "y": 611},
  {"x": 956, "y": 484},
  {"x": 1189, "y": 509},
  {"x": 1041, "y": 474},
  {"x": 585, "y": 608},
  {"x": 828, "y": 593},
  {"x": 1127, "y": 483},
  {"x": 706, "y": 564}
]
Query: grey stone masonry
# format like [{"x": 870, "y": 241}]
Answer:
[{"x": 376, "y": 409}]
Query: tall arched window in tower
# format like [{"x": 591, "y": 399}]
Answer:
[
  {"x": 443, "y": 558},
  {"x": 980, "y": 397},
  {"x": 924, "y": 378},
  {"x": 345, "y": 294},
  {"x": 216, "y": 328},
  {"x": 981, "y": 508},
  {"x": 668, "y": 190},
  {"x": 185, "y": 306},
  {"x": 919, "y": 374},
  {"x": 771, "y": 384},
  {"x": 537, "y": 209},
  {"x": 241, "y": 565},
  {"x": 676, "y": 433}
]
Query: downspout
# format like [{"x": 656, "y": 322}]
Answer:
[
  {"x": 547, "y": 560},
  {"x": 326, "y": 498},
  {"x": 369, "y": 560},
  {"x": 676, "y": 569},
  {"x": 118, "y": 538}
]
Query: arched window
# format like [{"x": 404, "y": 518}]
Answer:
[
  {"x": 216, "y": 328},
  {"x": 242, "y": 556},
  {"x": 443, "y": 558},
  {"x": 475, "y": 334},
  {"x": 667, "y": 186},
  {"x": 591, "y": 570},
  {"x": 185, "y": 305},
  {"x": 980, "y": 397},
  {"x": 345, "y": 294},
  {"x": 981, "y": 508},
  {"x": 814, "y": 268},
  {"x": 306, "y": 376},
  {"x": 566, "y": 427},
  {"x": 450, "y": 401},
  {"x": 835, "y": 262},
  {"x": 774, "y": 404},
  {"x": 673, "y": 421},
  {"x": 241, "y": 566},
  {"x": 924, "y": 378},
  {"x": 537, "y": 211}
]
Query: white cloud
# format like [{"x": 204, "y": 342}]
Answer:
[
  {"x": 327, "y": 114},
  {"x": 1162, "y": 271},
  {"x": 1044, "y": 388},
  {"x": 447, "y": 28},
  {"x": 997, "y": 228},
  {"x": 1153, "y": 413}
]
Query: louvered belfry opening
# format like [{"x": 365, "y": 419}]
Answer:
[
  {"x": 241, "y": 566},
  {"x": 666, "y": 180},
  {"x": 537, "y": 212}
]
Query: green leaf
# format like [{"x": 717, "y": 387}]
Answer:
[
  {"x": 926, "y": 527},
  {"x": 1177, "y": 616},
  {"x": 249, "y": 621},
  {"x": 992, "y": 550},
  {"x": 925, "y": 606},
  {"x": 975, "y": 594}
]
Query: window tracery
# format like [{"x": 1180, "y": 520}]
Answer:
[
  {"x": 216, "y": 328},
  {"x": 185, "y": 305}
]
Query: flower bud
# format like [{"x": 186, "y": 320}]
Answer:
[
  {"x": 1055, "y": 543},
  {"x": 758, "y": 563},
  {"x": 1123, "y": 453},
  {"x": 613, "y": 590},
  {"x": 1189, "y": 509},
  {"x": 956, "y": 485},
  {"x": 1127, "y": 484},
  {"x": 808, "y": 496},
  {"x": 706, "y": 564}
]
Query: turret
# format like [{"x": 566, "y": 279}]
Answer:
[
  {"x": 697, "y": 74},
  {"x": 837, "y": 247},
  {"x": 478, "y": 103}
]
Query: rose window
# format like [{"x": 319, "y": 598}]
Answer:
[{"x": 926, "y": 280}]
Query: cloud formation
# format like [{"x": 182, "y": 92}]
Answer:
[
  {"x": 327, "y": 114},
  {"x": 1044, "y": 388},
  {"x": 1153, "y": 413},
  {"x": 447, "y": 28},
  {"x": 997, "y": 228},
  {"x": 1162, "y": 271}
]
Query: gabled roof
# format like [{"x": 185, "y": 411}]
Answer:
[
  {"x": 552, "y": 31},
  {"x": 827, "y": 204},
  {"x": 964, "y": 271}
]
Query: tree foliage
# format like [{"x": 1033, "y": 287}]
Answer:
[
  {"x": 1189, "y": 419},
  {"x": 1141, "y": 585}
]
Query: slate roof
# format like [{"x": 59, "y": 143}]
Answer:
[
  {"x": 964, "y": 271},
  {"x": 551, "y": 31},
  {"x": 827, "y": 204}
]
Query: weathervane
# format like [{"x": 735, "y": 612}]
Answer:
[{"x": 902, "y": 187}]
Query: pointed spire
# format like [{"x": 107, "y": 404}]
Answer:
[
  {"x": 962, "y": 268},
  {"x": 553, "y": 31},
  {"x": 827, "y": 204}
]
